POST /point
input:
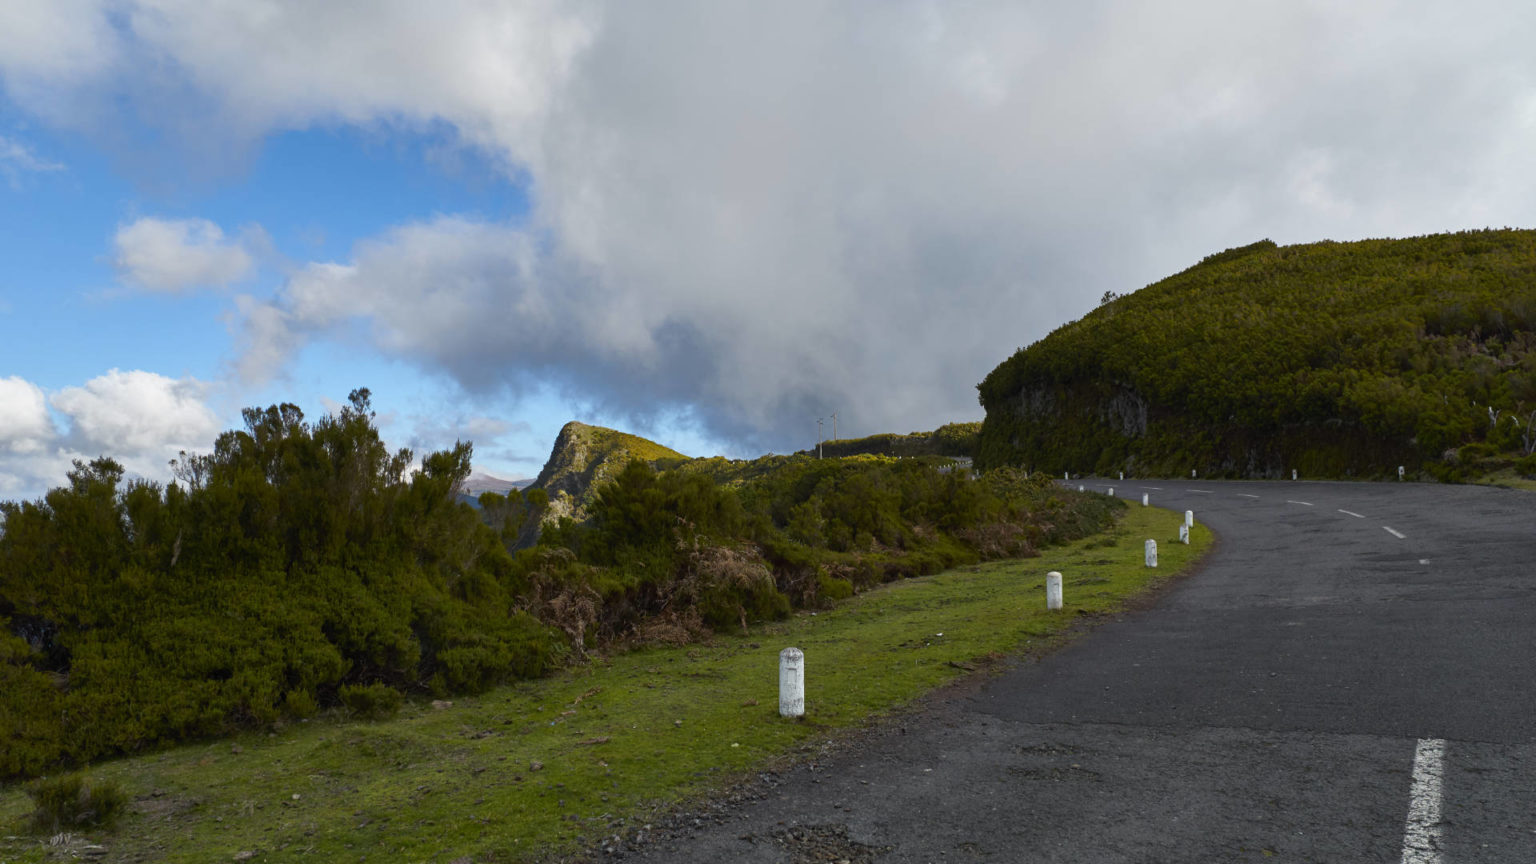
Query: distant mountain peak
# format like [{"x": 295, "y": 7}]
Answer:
[{"x": 479, "y": 482}]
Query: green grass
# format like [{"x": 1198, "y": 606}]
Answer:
[
  {"x": 614, "y": 741},
  {"x": 1507, "y": 478}
]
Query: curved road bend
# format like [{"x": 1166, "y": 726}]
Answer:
[{"x": 1348, "y": 679}]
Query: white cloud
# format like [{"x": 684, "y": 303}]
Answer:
[
  {"x": 139, "y": 412},
  {"x": 432, "y": 432},
  {"x": 226, "y": 69},
  {"x": 25, "y": 426},
  {"x": 16, "y": 158},
  {"x": 172, "y": 255},
  {"x": 60, "y": 42},
  {"x": 267, "y": 339},
  {"x": 141, "y": 419}
]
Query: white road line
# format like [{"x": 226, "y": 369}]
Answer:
[
  {"x": 1351, "y": 513},
  {"x": 1423, "y": 560},
  {"x": 1395, "y": 533},
  {"x": 1246, "y": 495},
  {"x": 1421, "y": 837},
  {"x": 1153, "y": 488},
  {"x": 1200, "y": 491},
  {"x": 1302, "y": 503}
]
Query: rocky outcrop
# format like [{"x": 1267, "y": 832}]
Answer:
[{"x": 584, "y": 458}]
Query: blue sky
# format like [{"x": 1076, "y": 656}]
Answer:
[
  {"x": 707, "y": 223},
  {"x": 68, "y": 317}
]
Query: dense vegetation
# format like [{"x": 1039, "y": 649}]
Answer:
[
  {"x": 290, "y": 561},
  {"x": 1337, "y": 359},
  {"x": 302, "y": 566},
  {"x": 951, "y": 439},
  {"x": 671, "y": 555}
]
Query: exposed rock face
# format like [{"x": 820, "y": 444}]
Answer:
[{"x": 1125, "y": 411}]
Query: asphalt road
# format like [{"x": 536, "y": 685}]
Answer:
[{"x": 1349, "y": 678}]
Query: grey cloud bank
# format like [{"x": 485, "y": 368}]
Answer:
[{"x": 755, "y": 214}]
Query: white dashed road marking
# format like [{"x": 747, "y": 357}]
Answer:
[
  {"x": 1200, "y": 491},
  {"x": 1421, "y": 838},
  {"x": 1153, "y": 488},
  {"x": 1351, "y": 513},
  {"x": 1394, "y": 532},
  {"x": 1246, "y": 495},
  {"x": 1423, "y": 560},
  {"x": 1302, "y": 503}
]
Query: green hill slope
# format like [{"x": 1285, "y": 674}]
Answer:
[
  {"x": 1337, "y": 359},
  {"x": 583, "y": 459},
  {"x": 957, "y": 440}
]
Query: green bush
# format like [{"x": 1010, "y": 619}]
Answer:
[
  {"x": 371, "y": 701},
  {"x": 1470, "y": 454},
  {"x": 71, "y": 802},
  {"x": 1527, "y": 465},
  {"x": 300, "y": 704},
  {"x": 831, "y": 588}
]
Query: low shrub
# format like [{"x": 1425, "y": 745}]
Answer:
[
  {"x": 832, "y": 589},
  {"x": 371, "y": 701},
  {"x": 73, "y": 802}
]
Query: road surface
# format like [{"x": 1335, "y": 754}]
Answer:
[{"x": 1349, "y": 678}]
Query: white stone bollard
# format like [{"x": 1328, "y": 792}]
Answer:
[
  {"x": 1189, "y": 518},
  {"x": 1293, "y": 473},
  {"x": 1111, "y": 491},
  {"x": 1066, "y": 475},
  {"x": 1082, "y": 488},
  {"x": 1146, "y": 499},
  {"x": 1184, "y": 534},
  {"x": 1400, "y": 472},
  {"x": 791, "y": 683},
  {"x": 1053, "y": 590},
  {"x": 1151, "y": 553},
  {"x": 1191, "y": 473},
  {"x": 1122, "y": 475}
]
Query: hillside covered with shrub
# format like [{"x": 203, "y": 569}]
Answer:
[
  {"x": 1336, "y": 359},
  {"x": 301, "y": 566},
  {"x": 955, "y": 440}
]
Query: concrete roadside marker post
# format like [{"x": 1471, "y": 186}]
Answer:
[
  {"x": 1146, "y": 499},
  {"x": 1192, "y": 473},
  {"x": 791, "y": 682},
  {"x": 1053, "y": 590},
  {"x": 1189, "y": 518},
  {"x": 1066, "y": 475},
  {"x": 1400, "y": 472},
  {"x": 1293, "y": 473},
  {"x": 1081, "y": 488},
  {"x": 1151, "y": 553},
  {"x": 1122, "y": 475},
  {"x": 1111, "y": 491},
  {"x": 1184, "y": 534}
]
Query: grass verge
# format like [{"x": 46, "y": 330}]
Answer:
[
  {"x": 1507, "y": 478},
  {"x": 530, "y": 769}
]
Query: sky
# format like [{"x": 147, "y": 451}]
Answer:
[{"x": 709, "y": 223}]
